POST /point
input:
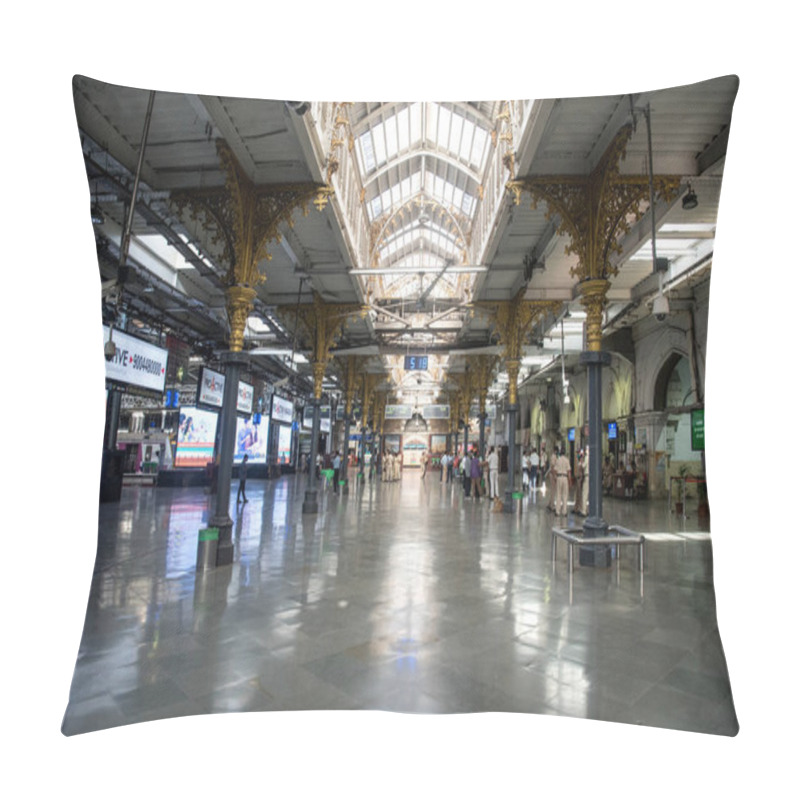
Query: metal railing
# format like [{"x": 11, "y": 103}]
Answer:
[{"x": 576, "y": 537}]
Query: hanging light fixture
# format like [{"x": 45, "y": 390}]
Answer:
[{"x": 690, "y": 199}]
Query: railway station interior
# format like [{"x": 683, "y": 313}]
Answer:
[{"x": 353, "y": 294}]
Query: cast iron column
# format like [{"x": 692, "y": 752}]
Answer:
[
  {"x": 594, "y": 525},
  {"x": 511, "y": 428},
  {"x": 345, "y": 456},
  {"x": 310, "y": 501},
  {"x": 482, "y": 434},
  {"x": 233, "y": 362}
]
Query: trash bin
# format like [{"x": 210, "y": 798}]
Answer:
[{"x": 207, "y": 548}]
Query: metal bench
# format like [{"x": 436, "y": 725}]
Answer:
[{"x": 576, "y": 537}]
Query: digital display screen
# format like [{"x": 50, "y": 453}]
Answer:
[
  {"x": 197, "y": 429},
  {"x": 251, "y": 439},
  {"x": 571, "y": 435},
  {"x": 416, "y": 362},
  {"x": 612, "y": 430}
]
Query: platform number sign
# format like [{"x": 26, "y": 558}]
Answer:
[{"x": 416, "y": 362}]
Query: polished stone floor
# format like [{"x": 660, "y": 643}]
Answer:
[{"x": 401, "y": 596}]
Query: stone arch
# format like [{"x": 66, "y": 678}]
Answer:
[{"x": 674, "y": 368}]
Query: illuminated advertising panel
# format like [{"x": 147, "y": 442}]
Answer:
[
  {"x": 282, "y": 409},
  {"x": 210, "y": 387},
  {"x": 244, "y": 399},
  {"x": 136, "y": 362},
  {"x": 196, "y": 431},
  {"x": 284, "y": 444},
  {"x": 251, "y": 439}
]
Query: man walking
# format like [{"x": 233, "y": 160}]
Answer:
[
  {"x": 242, "y": 481},
  {"x": 337, "y": 468},
  {"x": 494, "y": 470}
]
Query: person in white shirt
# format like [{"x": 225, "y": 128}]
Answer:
[
  {"x": 494, "y": 471},
  {"x": 526, "y": 470},
  {"x": 534, "y": 469}
]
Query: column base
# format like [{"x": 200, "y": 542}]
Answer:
[
  {"x": 508, "y": 503},
  {"x": 595, "y": 555},
  {"x": 310, "y": 505},
  {"x": 224, "y": 544}
]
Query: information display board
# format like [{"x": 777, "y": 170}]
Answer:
[{"x": 415, "y": 363}]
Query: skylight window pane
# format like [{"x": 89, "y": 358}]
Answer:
[
  {"x": 465, "y": 148},
  {"x": 416, "y": 183},
  {"x": 375, "y": 207},
  {"x": 365, "y": 141},
  {"x": 431, "y": 121},
  {"x": 443, "y": 132},
  {"x": 391, "y": 137},
  {"x": 415, "y": 125},
  {"x": 479, "y": 147},
  {"x": 402, "y": 130},
  {"x": 379, "y": 143},
  {"x": 457, "y": 126},
  {"x": 467, "y": 204}
]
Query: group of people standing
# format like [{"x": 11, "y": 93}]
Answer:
[{"x": 559, "y": 479}]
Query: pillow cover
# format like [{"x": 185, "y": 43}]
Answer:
[{"x": 275, "y": 243}]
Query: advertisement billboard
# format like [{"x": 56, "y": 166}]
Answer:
[
  {"x": 210, "y": 388},
  {"x": 282, "y": 409},
  {"x": 284, "y": 444},
  {"x": 136, "y": 362},
  {"x": 197, "y": 429},
  {"x": 244, "y": 399},
  {"x": 251, "y": 439}
]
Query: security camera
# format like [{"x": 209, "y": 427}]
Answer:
[
  {"x": 109, "y": 350},
  {"x": 660, "y": 307}
]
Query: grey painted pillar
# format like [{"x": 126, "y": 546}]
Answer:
[
  {"x": 310, "y": 505},
  {"x": 345, "y": 455},
  {"x": 232, "y": 363},
  {"x": 113, "y": 405},
  {"x": 511, "y": 428},
  {"x": 594, "y": 525},
  {"x": 482, "y": 435}
]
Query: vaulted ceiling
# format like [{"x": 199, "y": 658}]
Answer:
[{"x": 418, "y": 227}]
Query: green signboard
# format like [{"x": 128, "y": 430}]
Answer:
[{"x": 698, "y": 429}]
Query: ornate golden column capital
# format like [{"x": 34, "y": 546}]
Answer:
[
  {"x": 238, "y": 303},
  {"x": 593, "y": 298}
]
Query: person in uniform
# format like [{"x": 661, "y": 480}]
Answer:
[
  {"x": 494, "y": 469},
  {"x": 579, "y": 478},
  {"x": 551, "y": 482},
  {"x": 562, "y": 471}
]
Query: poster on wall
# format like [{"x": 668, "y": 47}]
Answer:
[
  {"x": 391, "y": 443},
  {"x": 244, "y": 399},
  {"x": 197, "y": 429},
  {"x": 251, "y": 440},
  {"x": 282, "y": 409},
  {"x": 284, "y": 444},
  {"x": 210, "y": 388},
  {"x": 438, "y": 442}
]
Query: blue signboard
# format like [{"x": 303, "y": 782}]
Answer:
[
  {"x": 612, "y": 430},
  {"x": 571, "y": 434}
]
